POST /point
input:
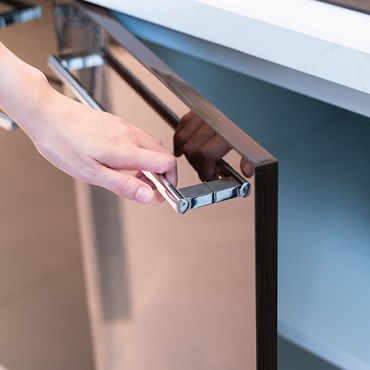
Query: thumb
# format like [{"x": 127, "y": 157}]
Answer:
[{"x": 124, "y": 185}]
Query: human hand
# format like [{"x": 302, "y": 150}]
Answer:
[
  {"x": 96, "y": 147},
  {"x": 203, "y": 147},
  {"x": 89, "y": 145}
]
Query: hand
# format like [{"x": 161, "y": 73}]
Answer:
[
  {"x": 96, "y": 146},
  {"x": 203, "y": 147},
  {"x": 89, "y": 145}
]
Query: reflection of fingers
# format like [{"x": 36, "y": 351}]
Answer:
[
  {"x": 187, "y": 117},
  {"x": 184, "y": 132},
  {"x": 191, "y": 124},
  {"x": 215, "y": 148},
  {"x": 205, "y": 158},
  {"x": 197, "y": 140},
  {"x": 207, "y": 170},
  {"x": 246, "y": 167},
  {"x": 124, "y": 185}
]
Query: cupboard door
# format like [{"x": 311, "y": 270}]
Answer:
[
  {"x": 13, "y": 12},
  {"x": 24, "y": 28},
  {"x": 165, "y": 290}
]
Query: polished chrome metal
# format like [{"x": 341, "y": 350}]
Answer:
[
  {"x": 169, "y": 192},
  {"x": 198, "y": 195},
  {"x": 226, "y": 188},
  {"x": 60, "y": 68},
  {"x": 81, "y": 61},
  {"x": 225, "y": 169},
  {"x": 18, "y": 12},
  {"x": 6, "y": 122},
  {"x": 230, "y": 185}
]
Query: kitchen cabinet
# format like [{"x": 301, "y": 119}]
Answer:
[
  {"x": 190, "y": 291},
  {"x": 32, "y": 40},
  {"x": 43, "y": 315},
  {"x": 15, "y": 13},
  {"x": 300, "y": 89},
  {"x": 323, "y": 209}
]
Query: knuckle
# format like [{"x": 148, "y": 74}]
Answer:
[
  {"x": 178, "y": 139},
  {"x": 157, "y": 140},
  {"x": 187, "y": 117},
  {"x": 202, "y": 152},
  {"x": 189, "y": 148},
  {"x": 90, "y": 174},
  {"x": 123, "y": 187},
  {"x": 169, "y": 163},
  {"x": 177, "y": 149}
]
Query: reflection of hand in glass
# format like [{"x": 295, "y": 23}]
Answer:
[
  {"x": 200, "y": 144},
  {"x": 203, "y": 147}
]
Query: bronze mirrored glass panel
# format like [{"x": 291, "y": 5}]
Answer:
[
  {"x": 196, "y": 291},
  {"x": 13, "y": 12}
]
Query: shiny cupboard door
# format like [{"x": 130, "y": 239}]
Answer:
[
  {"x": 170, "y": 290},
  {"x": 11, "y": 13}
]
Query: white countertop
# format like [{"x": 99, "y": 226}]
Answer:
[{"x": 309, "y": 36}]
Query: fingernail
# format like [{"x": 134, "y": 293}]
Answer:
[{"x": 144, "y": 195}]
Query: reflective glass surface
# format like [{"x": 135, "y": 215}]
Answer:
[{"x": 168, "y": 291}]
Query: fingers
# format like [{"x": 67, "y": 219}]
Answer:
[
  {"x": 136, "y": 150},
  {"x": 145, "y": 134},
  {"x": 169, "y": 169},
  {"x": 138, "y": 159},
  {"x": 201, "y": 145},
  {"x": 246, "y": 168},
  {"x": 205, "y": 158},
  {"x": 124, "y": 185},
  {"x": 199, "y": 140},
  {"x": 157, "y": 195},
  {"x": 189, "y": 124},
  {"x": 149, "y": 143},
  {"x": 162, "y": 164}
]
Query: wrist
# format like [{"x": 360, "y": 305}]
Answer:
[
  {"x": 22, "y": 89},
  {"x": 32, "y": 102}
]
